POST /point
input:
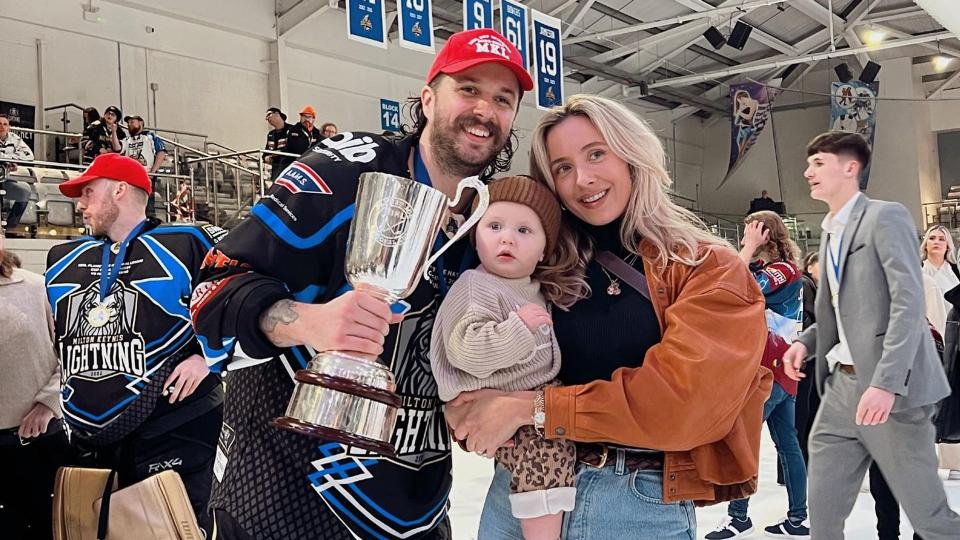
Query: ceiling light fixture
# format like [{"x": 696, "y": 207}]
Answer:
[
  {"x": 874, "y": 37},
  {"x": 941, "y": 63}
]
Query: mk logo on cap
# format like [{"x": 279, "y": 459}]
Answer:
[{"x": 491, "y": 45}]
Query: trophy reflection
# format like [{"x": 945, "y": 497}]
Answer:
[{"x": 346, "y": 396}]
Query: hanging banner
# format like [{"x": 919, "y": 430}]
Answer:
[
  {"x": 477, "y": 14},
  {"x": 513, "y": 25},
  {"x": 416, "y": 25},
  {"x": 751, "y": 104},
  {"x": 389, "y": 115},
  {"x": 853, "y": 109},
  {"x": 365, "y": 22},
  {"x": 548, "y": 59}
]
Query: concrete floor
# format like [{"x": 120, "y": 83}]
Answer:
[{"x": 472, "y": 475}]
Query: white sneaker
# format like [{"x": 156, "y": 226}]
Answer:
[{"x": 730, "y": 528}]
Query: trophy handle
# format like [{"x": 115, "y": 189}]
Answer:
[{"x": 481, "y": 189}]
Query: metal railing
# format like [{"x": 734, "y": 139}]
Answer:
[
  {"x": 50, "y": 133},
  {"x": 214, "y": 182},
  {"x": 164, "y": 179}
]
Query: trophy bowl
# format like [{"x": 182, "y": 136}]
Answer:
[{"x": 345, "y": 396}]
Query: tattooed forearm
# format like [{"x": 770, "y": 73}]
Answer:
[{"x": 281, "y": 313}]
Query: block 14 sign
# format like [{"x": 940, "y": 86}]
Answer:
[{"x": 389, "y": 115}]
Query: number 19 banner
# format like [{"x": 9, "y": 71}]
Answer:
[
  {"x": 513, "y": 25},
  {"x": 477, "y": 14},
  {"x": 416, "y": 25},
  {"x": 548, "y": 56}
]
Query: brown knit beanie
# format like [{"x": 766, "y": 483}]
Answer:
[{"x": 528, "y": 192}]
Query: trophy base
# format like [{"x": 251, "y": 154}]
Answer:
[{"x": 321, "y": 432}]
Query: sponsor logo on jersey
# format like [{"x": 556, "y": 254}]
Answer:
[
  {"x": 362, "y": 150},
  {"x": 205, "y": 292},
  {"x": 300, "y": 178}
]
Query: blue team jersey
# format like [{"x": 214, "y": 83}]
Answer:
[
  {"x": 278, "y": 484},
  {"x": 117, "y": 347}
]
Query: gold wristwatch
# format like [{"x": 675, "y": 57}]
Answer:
[{"x": 539, "y": 415}]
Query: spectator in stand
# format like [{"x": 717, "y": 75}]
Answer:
[
  {"x": 772, "y": 257},
  {"x": 182, "y": 205},
  {"x": 763, "y": 202},
  {"x": 91, "y": 116},
  {"x": 147, "y": 148},
  {"x": 328, "y": 129},
  {"x": 277, "y": 140},
  {"x": 304, "y": 134},
  {"x": 13, "y": 147},
  {"x": 33, "y": 443},
  {"x": 104, "y": 135}
]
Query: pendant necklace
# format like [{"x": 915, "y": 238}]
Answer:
[{"x": 614, "y": 288}]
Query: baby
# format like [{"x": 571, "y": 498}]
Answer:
[{"x": 493, "y": 330}]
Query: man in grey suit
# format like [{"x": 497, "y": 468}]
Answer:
[{"x": 877, "y": 368}]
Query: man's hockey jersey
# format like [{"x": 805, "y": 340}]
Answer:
[
  {"x": 118, "y": 348},
  {"x": 278, "y": 484}
]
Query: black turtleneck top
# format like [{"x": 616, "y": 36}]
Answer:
[{"x": 603, "y": 333}]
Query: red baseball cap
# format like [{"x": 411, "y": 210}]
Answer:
[
  {"x": 474, "y": 47},
  {"x": 113, "y": 167}
]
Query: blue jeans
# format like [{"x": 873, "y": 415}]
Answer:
[
  {"x": 612, "y": 502},
  {"x": 779, "y": 413}
]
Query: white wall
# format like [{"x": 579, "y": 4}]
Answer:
[{"x": 212, "y": 80}]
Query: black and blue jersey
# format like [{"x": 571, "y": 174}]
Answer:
[
  {"x": 278, "y": 484},
  {"x": 118, "y": 346}
]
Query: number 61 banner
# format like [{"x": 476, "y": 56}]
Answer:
[
  {"x": 513, "y": 25},
  {"x": 548, "y": 56}
]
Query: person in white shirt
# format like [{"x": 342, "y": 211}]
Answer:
[
  {"x": 877, "y": 367},
  {"x": 147, "y": 148},
  {"x": 13, "y": 147},
  {"x": 940, "y": 265}
]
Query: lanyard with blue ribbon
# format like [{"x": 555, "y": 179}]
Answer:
[
  {"x": 110, "y": 272},
  {"x": 422, "y": 175},
  {"x": 835, "y": 261}
]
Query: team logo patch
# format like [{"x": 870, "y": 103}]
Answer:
[{"x": 300, "y": 178}]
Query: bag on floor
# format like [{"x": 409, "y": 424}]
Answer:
[{"x": 88, "y": 506}]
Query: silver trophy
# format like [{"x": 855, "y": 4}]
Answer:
[{"x": 349, "y": 397}]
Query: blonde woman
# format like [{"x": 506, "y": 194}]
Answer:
[
  {"x": 940, "y": 264},
  {"x": 669, "y": 320}
]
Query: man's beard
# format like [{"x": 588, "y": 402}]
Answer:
[
  {"x": 100, "y": 226},
  {"x": 135, "y": 132},
  {"x": 443, "y": 140}
]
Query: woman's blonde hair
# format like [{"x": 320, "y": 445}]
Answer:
[
  {"x": 951, "y": 255},
  {"x": 779, "y": 246},
  {"x": 676, "y": 233}
]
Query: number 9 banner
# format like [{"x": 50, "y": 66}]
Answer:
[
  {"x": 548, "y": 56},
  {"x": 513, "y": 25},
  {"x": 477, "y": 14}
]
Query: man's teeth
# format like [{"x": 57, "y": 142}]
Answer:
[
  {"x": 596, "y": 197},
  {"x": 479, "y": 132}
]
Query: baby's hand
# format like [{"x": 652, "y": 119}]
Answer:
[{"x": 534, "y": 317}]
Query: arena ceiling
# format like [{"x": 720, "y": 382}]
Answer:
[{"x": 653, "y": 52}]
